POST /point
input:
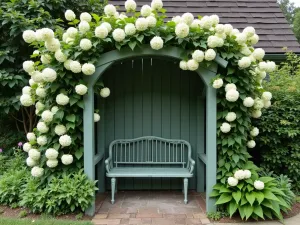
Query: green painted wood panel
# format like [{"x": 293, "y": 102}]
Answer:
[{"x": 151, "y": 96}]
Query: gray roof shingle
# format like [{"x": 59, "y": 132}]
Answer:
[{"x": 264, "y": 15}]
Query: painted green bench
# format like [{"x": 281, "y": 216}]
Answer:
[{"x": 149, "y": 156}]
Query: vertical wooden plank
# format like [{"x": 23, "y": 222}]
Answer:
[{"x": 157, "y": 108}]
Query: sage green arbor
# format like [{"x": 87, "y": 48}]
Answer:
[{"x": 207, "y": 152}]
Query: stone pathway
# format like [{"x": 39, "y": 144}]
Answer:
[{"x": 151, "y": 207}]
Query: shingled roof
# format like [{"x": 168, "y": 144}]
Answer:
[{"x": 264, "y": 15}]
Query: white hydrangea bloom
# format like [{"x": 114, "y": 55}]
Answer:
[
  {"x": 60, "y": 129},
  {"x": 67, "y": 159},
  {"x": 183, "y": 65},
  {"x": 234, "y": 32},
  {"x": 49, "y": 75},
  {"x": 156, "y": 4},
  {"x": 75, "y": 66},
  {"x": 192, "y": 65},
  {"x": 28, "y": 66},
  {"x": 210, "y": 55},
  {"x": 256, "y": 114},
  {"x": 225, "y": 128},
  {"x": 254, "y": 39},
  {"x": 26, "y": 100},
  {"x": 46, "y": 59},
  {"x": 119, "y": 34},
  {"x": 182, "y": 30},
  {"x": 88, "y": 68},
  {"x": 84, "y": 27},
  {"x": 54, "y": 109},
  {"x": 156, "y": 43},
  {"x": 259, "y": 185},
  {"x": 107, "y": 25},
  {"x": 232, "y": 181},
  {"x": 258, "y": 103},
  {"x": 81, "y": 89},
  {"x": 244, "y": 62},
  {"x": 232, "y": 95},
  {"x": 267, "y": 96},
  {"x": 42, "y": 140},
  {"x": 42, "y": 127},
  {"x": 26, "y": 147},
  {"x": 41, "y": 92},
  {"x": 258, "y": 53},
  {"x": 198, "y": 55},
  {"x": 146, "y": 10},
  {"x": 230, "y": 117},
  {"x": 37, "y": 77},
  {"x": 245, "y": 50},
  {"x": 36, "y": 52},
  {"x": 72, "y": 32},
  {"x": 62, "y": 99},
  {"x": 60, "y": 56},
  {"x": 177, "y": 19},
  {"x": 46, "y": 34},
  {"x": 117, "y": 15},
  {"x": 130, "y": 5},
  {"x": 29, "y": 36},
  {"x": 38, "y": 35},
  {"x": 85, "y": 44},
  {"x": 37, "y": 171},
  {"x": 31, "y": 81},
  {"x": 196, "y": 24},
  {"x": 239, "y": 174},
  {"x": 130, "y": 29},
  {"x": 218, "y": 83},
  {"x": 248, "y": 102},
  {"x": 267, "y": 104},
  {"x": 141, "y": 24},
  {"x": 254, "y": 132},
  {"x": 52, "y": 163},
  {"x": 31, "y": 136},
  {"x": 47, "y": 116},
  {"x": 151, "y": 21},
  {"x": 65, "y": 37},
  {"x": 230, "y": 86},
  {"x": 26, "y": 90},
  {"x": 96, "y": 117},
  {"x": 271, "y": 66},
  {"x": 104, "y": 92},
  {"x": 51, "y": 153},
  {"x": 241, "y": 38},
  {"x": 70, "y": 41},
  {"x": 263, "y": 66},
  {"x": 214, "y": 41},
  {"x": 247, "y": 174},
  {"x": 101, "y": 32},
  {"x": 249, "y": 31},
  {"x": 206, "y": 22},
  {"x": 67, "y": 64},
  {"x": 70, "y": 15},
  {"x": 31, "y": 162},
  {"x": 34, "y": 154},
  {"x": 85, "y": 17},
  {"x": 52, "y": 45},
  {"x": 214, "y": 19},
  {"x": 65, "y": 140},
  {"x": 110, "y": 10},
  {"x": 188, "y": 18}
]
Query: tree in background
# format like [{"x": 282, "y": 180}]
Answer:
[
  {"x": 296, "y": 24},
  {"x": 15, "y": 17}
]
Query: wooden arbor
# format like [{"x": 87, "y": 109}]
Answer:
[{"x": 209, "y": 137}]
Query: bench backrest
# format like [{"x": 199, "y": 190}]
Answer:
[{"x": 150, "y": 150}]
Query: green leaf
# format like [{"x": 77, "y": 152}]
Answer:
[
  {"x": 140, "y": 38},
  {"x": 235, "y": 158},
  {"x": 237, "y": 196},
  {"x": 224, "y": 190},
  {"x": 232, "y": 208},
  {"x": 73, "y": 100},
  {"x": 71, "y": 118},
  {"x": 248, "y": 209},
  {"x": 224, "y": 198},
  {"x": 132, "y": 44},
  {"x": 258, "y": 211},
  {"x": 250, "y": 197},
  {"x": 270, "y": 195},
  {"x": 259, "y": 197},
  {"x": 79, "y": 153},
  {"x": 214, "y": 193},
  {"x": 56, "y": 146},
  {"x": 266, "y": 179}
]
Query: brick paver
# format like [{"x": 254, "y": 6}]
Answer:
[{"x": 147, "y": 207}]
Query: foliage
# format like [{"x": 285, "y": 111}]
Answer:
[
  {"x": 279, "y": 139},
  {"x": 10, "y": 221},
  {"x": 288, "y": 8},
  {"x": 63, "y": 194},
  {"x": 214, "y": 216},
  {"x": 296, "y": 24},
  {"x": 22, "y": 214},
  {"x": 15, "y": 17}
]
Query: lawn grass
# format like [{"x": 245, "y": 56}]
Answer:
[{"x": 9, "y": 221}]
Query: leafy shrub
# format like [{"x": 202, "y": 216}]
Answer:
[
  {"x": 278, "y": 144},
  {"x": 63, "y": 194}
]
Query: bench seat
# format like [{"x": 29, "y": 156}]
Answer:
[{"x": 149, "y": 172}]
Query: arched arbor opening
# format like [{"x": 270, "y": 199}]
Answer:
[{"x": 205, "y": 151}]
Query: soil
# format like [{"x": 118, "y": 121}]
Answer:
[{"x": 235, "y": 219}]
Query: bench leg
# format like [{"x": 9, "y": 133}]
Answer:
[
  {"x": 185, "y": 185},
  {"x": 113, "y": 186}
]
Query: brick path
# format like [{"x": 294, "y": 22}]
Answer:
[{"x": 151, "y": 207}]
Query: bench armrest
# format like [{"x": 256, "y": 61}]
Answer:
[
  {"x": 108, "y": 164},
  {"x": 191, "y": 165}
]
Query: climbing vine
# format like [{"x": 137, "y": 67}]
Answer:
[{"x": 62, "y": 59}]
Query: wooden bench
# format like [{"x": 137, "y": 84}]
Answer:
[{"x": 149, "y": 157}]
